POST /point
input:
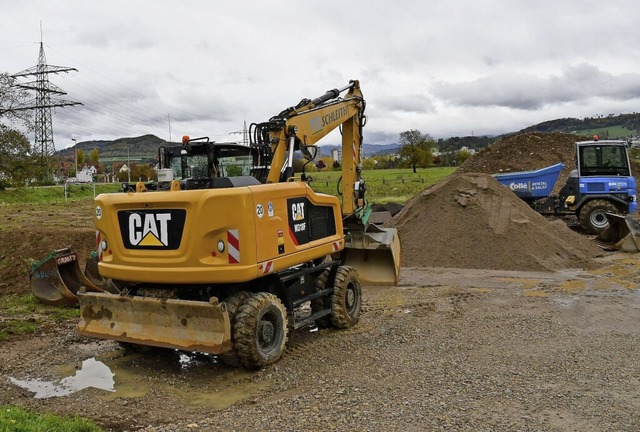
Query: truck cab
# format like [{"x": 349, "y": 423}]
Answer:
[{"x": 602, "y": 183}]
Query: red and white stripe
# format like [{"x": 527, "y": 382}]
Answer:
[
  {"x": 336, "y": 246},
  {"x": 267, "y": 267},
  {"x": 233, "y": 240},
  {"x": 98, "y": 246},
  {"x": 355, "y": 162}
]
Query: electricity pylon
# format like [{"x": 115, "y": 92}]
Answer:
[{"x": 43, "y": 103}]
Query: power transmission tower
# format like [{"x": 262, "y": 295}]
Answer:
[
  {"x": 244, "y": 132},
  {"x": 43, "y": 103}
]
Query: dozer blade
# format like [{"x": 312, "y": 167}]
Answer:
[
  {"x": 57, "y": 279},
  {"x": 180, "y": 324},
  {"x": 375, "y": 254},
  {"x": 623, "y": 231}
]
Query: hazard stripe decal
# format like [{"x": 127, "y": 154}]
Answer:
[
  {"x": 268, "y": 267},
  {"x": 233, "y": 239},
  {"x": 98, "y": 247}
]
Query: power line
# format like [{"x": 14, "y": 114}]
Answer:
[{"x": 43, "y": 103}]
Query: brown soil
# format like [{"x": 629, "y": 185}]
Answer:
[
  {"x": 472, "y": 221},
  {"x": 29, "y": 232},
  {"x": 530, "y": 151}
]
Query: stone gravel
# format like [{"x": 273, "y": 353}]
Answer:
[{"x": 506, "y": 352}]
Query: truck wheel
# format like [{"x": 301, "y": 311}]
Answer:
[
  {"x": 347, "y": 298},
  {"x": 593, "y": 216},
  {"x": 233, "y": 303},
  {"x": 321, "y": 303},
  {"x": 260, "y": 331}
]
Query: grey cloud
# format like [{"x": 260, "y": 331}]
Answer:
[
  {"x": 380, "y": 137},
  {"x": 406, "y": 103},
  {"x": 528, "y": 92}
]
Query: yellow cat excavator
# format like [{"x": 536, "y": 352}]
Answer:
[{"x": 229, "y": 265}]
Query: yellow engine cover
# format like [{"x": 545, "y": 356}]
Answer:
[{"x": 214, "y": 235}]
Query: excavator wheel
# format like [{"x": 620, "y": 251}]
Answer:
[
  {"x": 260, "y": 330},
  {"x": 320, "y": 303},
  {"x": 233, "y": 302},
  {"x": 347, "y": 298},
  {"x": 593, "y": 215}
]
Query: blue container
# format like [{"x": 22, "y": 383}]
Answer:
[{"x": 532, "y": 185}]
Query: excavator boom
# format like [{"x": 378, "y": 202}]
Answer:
[{"x": 372, "y": 250}]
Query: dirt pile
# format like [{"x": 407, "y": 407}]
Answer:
[
  {"x": 526, "y": 152},
  {"x": 472, "y": 221},
  {"x": 30, "y": 232},
  {"x": 531, "y": 151}
]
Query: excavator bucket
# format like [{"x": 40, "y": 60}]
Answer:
[
  {"x": 180, "y": 324},
  {"x": 623, "y": 232},
  {"x": 56, "y": 279},
  {"x": 375, "y": 254}
]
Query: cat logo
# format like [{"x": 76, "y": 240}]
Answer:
[
  {"x": 297, "y": 211},
  {"x": 146, "y": 229},
  {"x": 150, "y": 232}
]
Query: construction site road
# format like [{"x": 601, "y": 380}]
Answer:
[{"x": 447, "y": 350}]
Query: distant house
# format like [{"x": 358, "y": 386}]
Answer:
[{"x": 86, "y": 174}]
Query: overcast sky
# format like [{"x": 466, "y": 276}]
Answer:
[{"x": 446, "y": 68}]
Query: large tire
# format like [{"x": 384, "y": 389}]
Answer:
[
  {"x": 321, "y": 303},
  {"x": 593, "y": 216},
  {"x": 347, "y": 298},
  {"x": 233, "y": 303},
  {"x": 260, "y": 331}
]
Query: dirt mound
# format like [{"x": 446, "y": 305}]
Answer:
[
  {"x": 526, "y": 152},
  {"x": 472, "y": 221},
  {"x": 531, "y": 151},
  {"x": 29, "y": 232}
]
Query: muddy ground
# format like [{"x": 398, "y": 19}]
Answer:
[
  {"x": 531, "y": 327},
  {"x": 448, "y": 349}
]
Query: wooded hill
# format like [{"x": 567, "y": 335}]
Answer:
[{"x": 610, "y": 127}]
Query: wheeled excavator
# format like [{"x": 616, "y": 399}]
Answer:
[{"x": 225, "y": 266}]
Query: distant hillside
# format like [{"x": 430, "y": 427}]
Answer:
[
  {"x": 612, "y": 126},
  {"x": 144, "y": 147}
]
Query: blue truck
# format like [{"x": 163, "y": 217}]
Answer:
[{"x": 601, "y": 184}]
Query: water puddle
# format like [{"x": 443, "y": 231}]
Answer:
[
  {"x": 197, "y": 379},
  {"x": 92, "y": 373}
]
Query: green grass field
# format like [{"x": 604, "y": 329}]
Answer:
[
  {"x": 614, "y": 132},
  {"x": 392, "y": 185},
  {"x": 31, "y": 195}
]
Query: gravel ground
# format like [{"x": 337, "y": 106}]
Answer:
[{"x": 448, "y": 350}]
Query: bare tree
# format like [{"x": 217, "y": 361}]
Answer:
[{"x": 12, "y": 102}]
